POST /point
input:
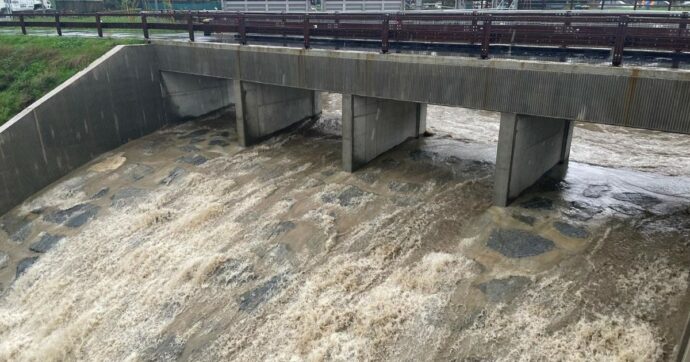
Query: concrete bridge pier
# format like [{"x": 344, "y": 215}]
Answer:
[
  {"x": 528, "y": 148},
  {"x": 262, "y": 110},
  {"x": 372, "y": 126}
]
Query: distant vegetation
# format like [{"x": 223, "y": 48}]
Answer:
[{"x": 31, "y": 66}]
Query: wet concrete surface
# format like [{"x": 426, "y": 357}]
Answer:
[{"x": 273, "y": 253}]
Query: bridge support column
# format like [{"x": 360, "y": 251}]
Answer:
[
  {"x": 372, "y": 126},
  {"x": 528, "y": 148},
  {"x": 262, "y": 110}
]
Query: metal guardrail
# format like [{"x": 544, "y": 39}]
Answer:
[{"x": 665, "y": 32}]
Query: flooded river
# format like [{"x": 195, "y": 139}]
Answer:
[{"x": 184, "y": 246}]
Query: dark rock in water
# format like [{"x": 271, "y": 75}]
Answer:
[
  {"x": 571, "y": 231},
  {"x": 102, "y": 192},
  {"x": 404, "y": 187},
  {"x": 518, "y": 243},
  {"x": 138, "y": 171},
  {"x": 195, "y": 160},
  {"x": 328, "y": 173},
  {"x": 195, "y": 140},
  {"x": 626, "y": 210},
  {"x": 4, "y": 259},
  {"x": 504, "y": 290},
  {"x": 280, "y": 228},
  {"x": 81, "y": 218},
  {"x": 636, "y": 198},
  {"x": 170, "y": 349},
  {"x": 217, "y": 142},
  {"x": 389, "y": 164},
  {"x": 596, "y": 191},
  {"x": 73, "y": 217},
  {"x": 252, "y": 299},
  {"x": 190, "y": 148},
  {"x": 25, "y": 264},
  {"x": 46, "y": 243},
  {"x": 539, "y": 203},
  {"x": 176, "y": 173},
  {"x": 551, "y": 184},
  {"x": 21, "y": 234},
  {"x": 529, "y": 220},
  {"x": 127, "y": 196},
  {"x": 350, "y": 196},
  {"x": 195, "y": 134},
  {"x": 224, "y": 134},
  {"x": 582, "y": 211},
  {"x": 423, "y": 155}
]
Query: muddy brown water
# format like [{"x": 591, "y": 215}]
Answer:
[{"x": 184, "y": 246}]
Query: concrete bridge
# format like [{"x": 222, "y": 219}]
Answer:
[{"x": 134, "y": 90}]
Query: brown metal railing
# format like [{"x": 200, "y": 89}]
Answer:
[{"x": 665, "y": 32}]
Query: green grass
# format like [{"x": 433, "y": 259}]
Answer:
[{"x": 32, "y": 66}]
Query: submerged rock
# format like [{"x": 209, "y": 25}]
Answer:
[
  {"x": 636, "y": 198},
  {"x": 176, "y": 173},
  {"x": 127, "y": 196},
  {"x": 138, "y": 171},
  {"x": 102, "y": 192},
  {"x": 526, "y": 219},
  {"x": 195, "y": 160},
  {"x": 596, "y": 191},
  {"x": 571, "y": 231},
  {"x": 504, "y": 290},
  {"x": 24, "y": 265},
  {"x": 351, "y": 196},
  {"x": 538, "y": 203},
  {"x": 252, "y": 299},
  {"x": 73, "y": 217},
  {"x": 21, "y": 234},
  {"x": 217, "y": 142},
  {"x": 46, "y": 243},
  {"x": 518, "y": 243}
]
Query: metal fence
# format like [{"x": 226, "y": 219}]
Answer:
[{"x": 663, "y": 32}]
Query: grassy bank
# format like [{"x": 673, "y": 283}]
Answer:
[{"x": 32, "y": 66}]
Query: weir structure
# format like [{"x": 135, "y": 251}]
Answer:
[{"x": 134, "y": 90}]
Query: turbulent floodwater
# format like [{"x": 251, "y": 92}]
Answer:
[{"x": 183, "y": 245}]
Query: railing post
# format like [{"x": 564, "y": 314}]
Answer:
[
  {"x": 620, "y": 41},
  {"x": 337, "y": 30},
  {"x": 242, "y": 29},
  {"x": 22, "y": 24},
  {"x": 475, "y": 16},
  {"x": 682, "y": 28},
  {"x": 635, "y": 5},
  {"x": 58, "y": 27},
  {"x": 306, "y": 31},
  {"x": 602, "y": 4},
  {"x": 384, "y": 33},
  {"x": 486, "y": 39},
  {"x": 567, "y": 27},
  {"x": 145, "y": 26},
  {"x": 99, "y": 27},
  {"x": 670, "y": 2},
  {"x": 190, "y": 26},
  {"x": 283, "y": 23}
]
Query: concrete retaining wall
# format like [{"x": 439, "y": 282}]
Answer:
[{"x": 114, "y": 100}]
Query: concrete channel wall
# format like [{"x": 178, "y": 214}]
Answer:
[
  {"x": 631, "y": 97},
  {"x": 116, "y": 99}
]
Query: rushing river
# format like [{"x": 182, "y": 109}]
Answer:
[{"x": 183, "y": 245}]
